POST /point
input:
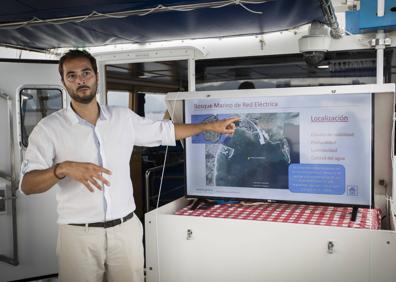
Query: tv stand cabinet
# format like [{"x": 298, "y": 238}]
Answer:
[{"x": 202, "y": 249}]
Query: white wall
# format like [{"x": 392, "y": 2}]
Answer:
[
  {"x": 11, "y": 53},
  {"x": 36, "y": 215}
]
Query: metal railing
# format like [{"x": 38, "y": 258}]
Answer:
[{"x": 148, "y": 175}]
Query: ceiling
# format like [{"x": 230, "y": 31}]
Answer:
[{"x": 46, "y": 24}]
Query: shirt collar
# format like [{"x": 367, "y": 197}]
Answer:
[
  {"x": 104, "y": 112},
  {"x": 75, "y": 118}
]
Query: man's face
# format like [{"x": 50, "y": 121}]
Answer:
[{"x": 80, "y": 80}]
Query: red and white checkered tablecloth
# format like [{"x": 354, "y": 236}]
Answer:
[{"x": 292, "y": 213}]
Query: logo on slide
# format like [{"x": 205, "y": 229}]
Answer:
[{"x": 352, "y": 190}]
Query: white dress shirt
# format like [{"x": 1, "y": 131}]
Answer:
[{"x": 64, "y": 136}]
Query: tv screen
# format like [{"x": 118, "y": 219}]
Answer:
[{"x": 315, "y": 148}]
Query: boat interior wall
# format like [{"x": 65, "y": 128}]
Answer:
[{"x": 36, "y": 215}]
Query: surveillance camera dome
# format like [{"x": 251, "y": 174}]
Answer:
[
  {"x": 313, "y": 58},
  {"x": 314, "y": 45}
]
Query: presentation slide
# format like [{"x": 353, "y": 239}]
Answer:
[{"x": 315, "y": 148}]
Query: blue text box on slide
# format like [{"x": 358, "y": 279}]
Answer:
[{"x": 317, "y": 179}]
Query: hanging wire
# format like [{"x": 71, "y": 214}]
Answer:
[
  {"x": 143, "y": 12},
  {"x": 331, "y": 18}
]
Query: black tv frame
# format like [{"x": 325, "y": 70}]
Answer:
[{"x": 230, "y": 199}]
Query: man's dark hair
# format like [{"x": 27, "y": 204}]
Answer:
[{"x": 73, "y": 54}]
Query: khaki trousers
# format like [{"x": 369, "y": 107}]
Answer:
[{"x": 98, "y": 254}]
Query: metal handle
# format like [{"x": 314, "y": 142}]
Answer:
[
  {"x": 189, "y": 234},
  {"x": 330, "y": 247},
  {"x": 8, "y": 198}
]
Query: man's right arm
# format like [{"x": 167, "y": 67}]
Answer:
[{"x": 39, "y": 181}]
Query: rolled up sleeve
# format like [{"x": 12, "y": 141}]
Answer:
[
  {"x": 39, "y": 154},
  {"x": 150, "y": 133}
]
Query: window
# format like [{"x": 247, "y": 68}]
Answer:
[
  {"x": 118, "y": 98},
  {"x": 36, "y": 104},
  {"x": 290, "y": 70},
  {"x": 154, "y": 106}
]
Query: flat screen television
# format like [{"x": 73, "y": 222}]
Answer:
[{"x": 295, "y": 148}]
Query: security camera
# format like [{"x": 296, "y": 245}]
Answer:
[
  {"x": 313, "y": 58},
  {"x": 314, "y": 45}
]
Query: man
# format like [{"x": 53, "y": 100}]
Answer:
[{"x": 85, "y": 150}]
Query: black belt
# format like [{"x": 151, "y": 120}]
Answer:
[{"x": 106, "y": 224}]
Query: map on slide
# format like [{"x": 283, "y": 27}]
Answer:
[{"x": 258, "y": 155}]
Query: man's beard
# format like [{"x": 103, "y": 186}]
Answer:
[{"x": 83, "y": 99}]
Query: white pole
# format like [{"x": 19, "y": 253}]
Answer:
[
  {"x": 380, "y": 46},
  {"x": 191, "y": 74},
  {"x": 380, "y": 8}
]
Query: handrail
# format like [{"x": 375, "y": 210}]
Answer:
[
  {"x": 12, "y": 260},
  {"x": 147, "y": 177}
]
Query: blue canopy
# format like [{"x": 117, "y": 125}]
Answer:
[{"x": 46, "y": 24}]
